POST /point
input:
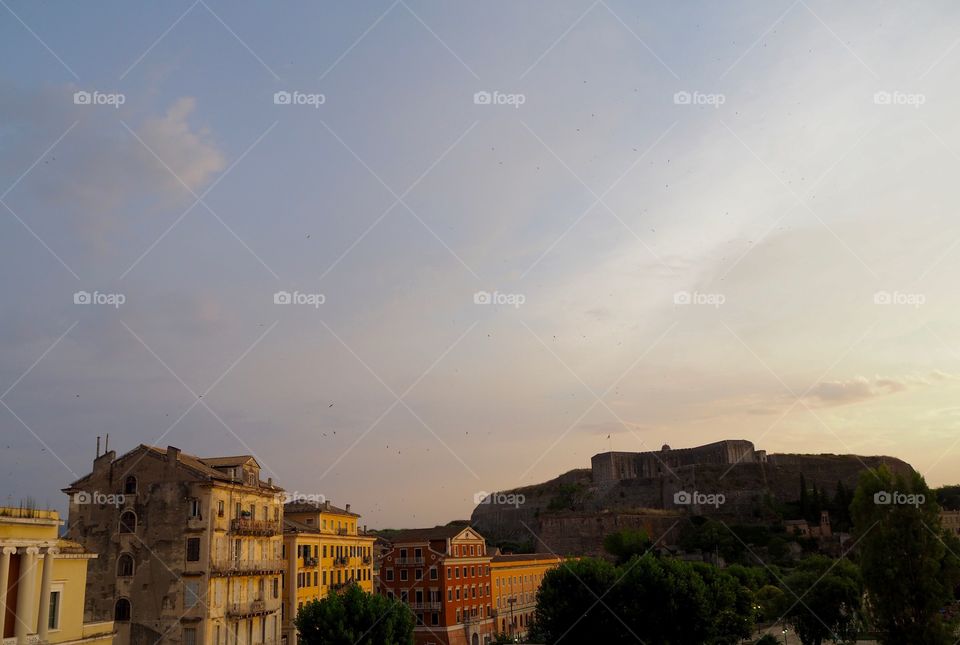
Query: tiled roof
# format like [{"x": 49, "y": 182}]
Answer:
[
  {"x": 298, "y": 527},
  {"x": 519, "y": 557},
  {"x": 423, "y": 535},
  {"x": 315, "y": 507}
]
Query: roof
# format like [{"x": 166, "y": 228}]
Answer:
[
  {"x": 520, "y": 557},
  {"x": 424, "y": 535},
  {"x": 201, "y": 466},
  {"x": 315, "y": 507},
  {"x": 293, "y": 526}
]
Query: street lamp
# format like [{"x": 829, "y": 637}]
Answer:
[{"x": 511, "y": 601}]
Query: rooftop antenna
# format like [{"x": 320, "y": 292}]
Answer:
[
  {"x": 106, "y": 444},
  {"x": 98, "y": 446}
]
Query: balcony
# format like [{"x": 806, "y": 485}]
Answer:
[
  {"x": 410, "y": 561},
  {"x": 249, "y": 608},
  {"x": 428, "y": 606},
  {"x": 342, "y": 531},
  {"x": 241, "y": 567},
  {"x": 310, "y": 562},
  {"x": 341, "y": 562},
  {"x": 367, "y": 559},
  {"x": 247, "y": 526}
]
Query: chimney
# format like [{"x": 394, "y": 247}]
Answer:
[
  {"x": 326, "y": 505},
  {"x": 98, "y": 445},
  {"x": 172, "y": 455},
  {"x": 348, "y": 508}
]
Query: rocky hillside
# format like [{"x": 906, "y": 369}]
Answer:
[{"x": 571, "y": 515}]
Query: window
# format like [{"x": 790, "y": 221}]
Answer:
[
  {"x": 191, "y": 594},
  {"x": 404, "y": 575},
  {"x": 433, "y": 573},
  {"x": 219, "y": 514},
  {"x": 130, "y": 485},
  {"x": 434, "y": 618},
  {"x": 128, "y": 522},
  {"x": 449, "y": 574},
  {"x": 389, "y": 575},
  {"x": 121, "y": 610},
  {"x": 189, "y": 636},
  {"x": 53, "y": 621},
  {"x": 125, "y": 565},
  {"x": 418, "y": 553},
  {"x": 195, "y": 508},
  {"x": 276, "y": 587},
  {"x": 418, "y": 574},
  {"x": 193, "y": 549}
]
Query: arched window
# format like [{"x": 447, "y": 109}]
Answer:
[
  {"x": 130, "y": 485},
  {"x": 121, "y": 611},
  {"x": 128, "y": 522},
  {"x": 125, "y": 565}
]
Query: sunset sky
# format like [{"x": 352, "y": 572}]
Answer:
[{"x": 700, "y": 221}]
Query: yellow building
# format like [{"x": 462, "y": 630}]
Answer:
[
  {"x": 515, "y": 580},
  {"x": 325, "y": 550},
  {"x": 43, "y": 582}
]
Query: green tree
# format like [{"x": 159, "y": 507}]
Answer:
[
  {"x": 824, "y": 598},
  {"x": 626, "y": 543},
  {"x": 662, "y": 601},
  {"x": 355, "y": 617},
  {"x": 908, "y": 572}
]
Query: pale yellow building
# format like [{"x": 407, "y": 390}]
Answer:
[
  {"x": 515, "y": 580},
  {"x": 43, "y": 582},
  {"x": 325, "y": 550},
  {"x": 190, "y": 547}
]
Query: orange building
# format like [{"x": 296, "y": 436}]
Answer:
[
  {"x": 443, "y": 574},
  {"x": 515, "y": 580}
]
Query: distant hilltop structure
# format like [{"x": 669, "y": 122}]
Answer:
[{"x": 611, "y": 467}]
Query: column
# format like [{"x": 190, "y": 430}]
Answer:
[
  {"x": 5, "y": 554},
  {"x": 25, "y": 587},
  {"x": 43, "y": 616}
]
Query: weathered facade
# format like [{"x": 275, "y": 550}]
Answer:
[{"x": 190, "y": 548}]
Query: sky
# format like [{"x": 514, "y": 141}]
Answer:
[{"x": 405, "y": 252}]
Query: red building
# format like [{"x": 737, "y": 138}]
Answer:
[{"x": 443, "y": 573}]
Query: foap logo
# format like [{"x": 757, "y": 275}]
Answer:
[
  {"x": 911, "y": 99},
  {"x": 296, "y": 497},
  {"x": 115, "y": 99},
  {"x": 499, "y": 98},
  {"x": 297, "y": 97},
  {"x": 915, "y": 300},
  {"x": 895, "y": 498},
  {"x": 696, "y": 498},
  {"x": 699, "y": 98},
  {"x": 714, "y": 300},
  {"x": 96, "y": 497},
  {"x": 297, "y": 298},
  {"x": 96, "y": 298},
  {"x": 514, "y": 300},
  {"x": 515, "y": 500}
]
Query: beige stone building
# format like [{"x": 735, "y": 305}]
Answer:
[
  {"x": 190, "y": 548},
  {"x": 42, "y": 583}
]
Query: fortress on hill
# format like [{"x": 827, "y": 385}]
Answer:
[{"x": 611, "y": 467}]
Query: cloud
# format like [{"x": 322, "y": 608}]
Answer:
[{"x": 860, "y": 388}]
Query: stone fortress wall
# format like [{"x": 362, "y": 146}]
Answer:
[{"x": 611, "y": 467}]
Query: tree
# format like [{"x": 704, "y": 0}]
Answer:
[
  {"x": 908, "y": 572},
  {"x": 626, "y": 543},
  {"x": 662, "y": 601},
  {"x": 355, "y": 617},
  {"x": 824, "y": 598}
]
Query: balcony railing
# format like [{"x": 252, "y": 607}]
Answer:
[
  {"x": 367, "y": 559},
  {"x": 310, "y": 562},
  {"x": 232, "y": 566},
  {"x": 435, "y": 606},
  {"x": 249, "y": 608},
  {"x": 341, "y": 562},
  {"x": 410, "y": 561},
  {"x": 341, "y": 531},
  {"x": 245, "y": 525}
]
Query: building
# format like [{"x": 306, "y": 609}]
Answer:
[
  {"x": 515, "y": 580},
  {"x": 611, "y": 467},
  {"x": 802, "y": 528},
  {"x": 43, "y": 581},
  {"x": 325, "y": 550},
  {"x": 950, "y": 520},
  {"x": 443, "y": 574},
  {"x": 190, "y": 547}
]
